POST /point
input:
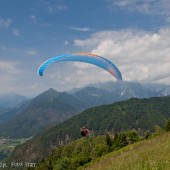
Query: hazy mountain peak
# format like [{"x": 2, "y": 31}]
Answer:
[
  {"x": 49, "y": 93},
  {"x": 11, "y": 100},
  {"x": 51, "y": 90}
]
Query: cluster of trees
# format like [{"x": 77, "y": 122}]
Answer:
[
  {"x": 121, "y": 140},
  {"x": 80, "y": 152}
]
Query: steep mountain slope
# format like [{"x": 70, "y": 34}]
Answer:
[
  {"x": 49, "y": 108},
  {"x": 140, "y": 114},
  {"x": 92, "y": 96},
  {"x": 7, "y": 113}
]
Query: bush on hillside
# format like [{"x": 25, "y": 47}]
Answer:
[
  {"x": 132, "y": 136},
  {"x": 167, "y": 126}
]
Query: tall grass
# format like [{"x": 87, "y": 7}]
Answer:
[{"x": 151, "y": 154}]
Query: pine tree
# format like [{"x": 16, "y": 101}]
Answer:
[
  {"x": 122, "y": 140},
  {"x": 132, "y": 136},
  {"x": 109, "y": 141},
  {"x": 167, "y": 126}
]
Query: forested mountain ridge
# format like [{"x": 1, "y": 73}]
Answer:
[
  {"x": 139, "y": 114},
  {"x": 52, "y": 107}
]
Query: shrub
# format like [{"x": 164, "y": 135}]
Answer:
[
  {"x": 132, "y": 136},
  {"x": 109, "y": 141},
  {"x": 147, "y": 135},
  {"x": 167, "y": 126},
  {"x": 122, "y": 140},
  {"x": 101, "y": 149},
  {"x": 158, "y": 130}
]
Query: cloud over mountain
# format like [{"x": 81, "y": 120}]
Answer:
[{"x": 140, "y": 55}]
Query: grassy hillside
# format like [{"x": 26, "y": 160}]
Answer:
[
  {"x": 93, "y": 154},
  {"x": 139, "y": 114},
  {"x": 152, "y": 154}
]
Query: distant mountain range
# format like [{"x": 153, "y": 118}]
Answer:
[
  {"x": 11, "y": 100},
  {"x": 110, "y": 92},
  {"x": 135, "y": 89},
  {"x": 47, "y": 109},
  {"x": 139, "y": 114},
  {"x": 7, "y": 113},
  {"x": 52, "y": 107}
]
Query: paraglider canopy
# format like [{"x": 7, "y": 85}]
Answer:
[{"x": 84, "y": 57}]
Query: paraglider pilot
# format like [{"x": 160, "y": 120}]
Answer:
[{"x": 84, "y": 131}]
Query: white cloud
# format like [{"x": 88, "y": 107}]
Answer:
[
  {"x": 35, "y": 21},
  {"x": 140, "y": 55},
  {"x": 34, "y": 86},
  {"x": 31, "y": 52},
  {"x": 3, "y": 48},
  {"x": 154, "y": 8},
  {"x": 33, "y": 18},
  {"x": 16, "y": 32},
  {"x": 54, "y": 6},
  {"x": 5, "y": 22},
  {"x": 9, "y": 67},
  {"x": 46, "y": 24},
  {"x": 141, "y": 6},
  {"x": 9, "y": 74},
  {"x": 66, "y": 43},
  {"x": 82, "y": 29}
]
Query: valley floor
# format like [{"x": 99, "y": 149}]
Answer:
[{"x": 7, "y": 145}]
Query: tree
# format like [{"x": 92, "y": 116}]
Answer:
[
  {"x": 147, "y": 135},
  {"x": 158, "y": 130},
  {"x": 50, "y": 166},
  {"x": 132, "y": 136},
  {"x": 109, "y": 141},
  {"x": 101, "y": 149},
  {"x": 167, "y": 126},
  {"x": 121, "y": 140}
]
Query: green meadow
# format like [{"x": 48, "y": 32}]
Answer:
[{"x": 151, "y": 154}]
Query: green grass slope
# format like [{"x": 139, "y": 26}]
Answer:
[{"x": 152, "y": 154}]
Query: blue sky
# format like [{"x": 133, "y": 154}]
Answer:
[{"x": 134, "y": 35}]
